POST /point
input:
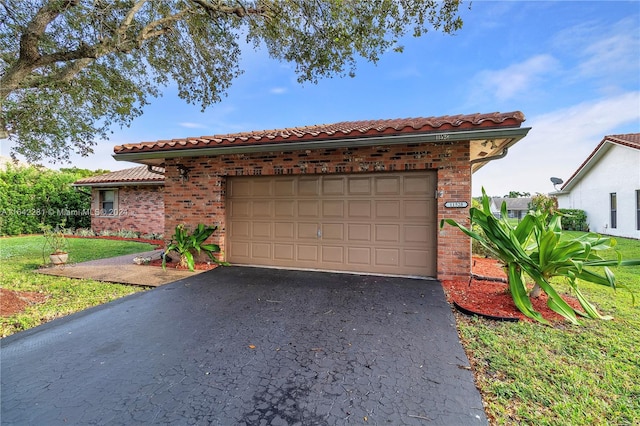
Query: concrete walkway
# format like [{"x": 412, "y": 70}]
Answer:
[
  {"x": 122, "y": 270},
  {"x": 248, "y": 346}
]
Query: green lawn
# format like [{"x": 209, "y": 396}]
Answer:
[
  {"x": 533, "y": 374},
  {"x": 19, "y": 256}
]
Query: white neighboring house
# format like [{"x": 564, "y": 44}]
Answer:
[{"x": 607, "y": 187}]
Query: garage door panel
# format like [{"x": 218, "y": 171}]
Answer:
[
  {"x": 332, "y": 232},
  {"x": 284, "y": 252},
  {"x": 359, "y": 186},
  {"x": 387, "y": 233},
  {"x": 261, "y": 250},
  {"x": 284, "y": 231},
  {"x": 240, "y": 250},
  {"x": 333, "y": 186},
  {"x": 359, "y": 256},
  {"x": 380, "y": 223},
  {"x": 263, "y": 186},
  {"x": 239, "y": 188},
  {"x": 359, "y": 209},
  {"x": 416, "y": 210},
  {"x": 387, "y": 185},
  {"x": 333, "y": 209},
  {"x": 359, "y": 232},
  {"x": 416, "y": 258},
  {"x": 309, "y": 186},
  {"x": 308, "y": 231},
  {"x": 307, "y": 253},
  {"x": 387, "y": 257},
  {"x": 261, "y": 230},
  {"x": 240, "y": 229},
  {"x": 387, "y": 209},
  {"x": 416, "y": 185},
  {"x": 332, "y": 254},
  {"x": 284, "y": 187},
  {"x": 284, "y": 209},
  {"x": 417, "y": 234},
  {"x": 262, "y": 209},
  {"x": 240, "y": 209},
  {"x": 309, "y": 208}
]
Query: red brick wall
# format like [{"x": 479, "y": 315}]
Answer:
[
  {"x": 140, "y": 208},
  {"x": 201, "y": 198}
]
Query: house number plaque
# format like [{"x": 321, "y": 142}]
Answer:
[{"x": 456, "y": 204}]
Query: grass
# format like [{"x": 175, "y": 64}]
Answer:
[
  {"x": 579, "y": 375},
  {"x": 20, "y": 256}
]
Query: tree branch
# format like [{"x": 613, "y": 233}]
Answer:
[
  {"x": 240, "y": 11},
  {"x": 151, "y": 29},
  {"x": 36, "y": 28}
]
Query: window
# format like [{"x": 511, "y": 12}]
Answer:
[
  {"x": 108, "y": 202},
  {"x": 613, "y": 201},
  {"x": 638, "y": 209}
]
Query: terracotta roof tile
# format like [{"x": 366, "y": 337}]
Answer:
[
  {"x": 342, "y": 130},
  {"x": 131, "y": 176},
  {"x": 631, "y": 140}
]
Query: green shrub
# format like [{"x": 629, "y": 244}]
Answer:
[
  {"x": 574, "y": 220},
  {"x": 32, "y": 196}
]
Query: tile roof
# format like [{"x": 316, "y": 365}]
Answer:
[
  {"x": 135, "y": 175},
  {"x": 520, "y": 203},
  {"x": 631, "y": 140},
  {"x": 336, "y": 131}
]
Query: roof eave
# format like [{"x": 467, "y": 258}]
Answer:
[
  {"x": 513, "y": 133},
  {"x": 122, "y": 183},
  {"x": 586, "y": 167}
]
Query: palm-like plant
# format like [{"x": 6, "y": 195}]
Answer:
[
  {"x": 186, "y": 245},
  {"x": 535, "y": 247}
]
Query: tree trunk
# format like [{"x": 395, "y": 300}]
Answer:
[{"x": 535, "y": 291}]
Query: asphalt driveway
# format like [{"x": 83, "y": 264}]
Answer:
[{"x": 248, "y": 346}]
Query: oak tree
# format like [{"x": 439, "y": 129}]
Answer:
[{"x": 73, "y": 69}]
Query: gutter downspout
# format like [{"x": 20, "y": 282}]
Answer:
[
  {"x": 150, "y": 170},
  {"x": 487, "y": 159}
]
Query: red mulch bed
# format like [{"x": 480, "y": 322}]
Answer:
[
  {"x": 12, "y": 302},
  {"x": 493, "y": 299},
  {"x": 200, "y": 266}
]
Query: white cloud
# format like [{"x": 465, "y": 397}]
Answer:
[
  {"x": 558, "y": 143},
  {"x": 191, "y": 125},
  {"x": 278, "y": 90},
  {"x": 603, "y": 51},
  {"x": 514, "y": 80}
]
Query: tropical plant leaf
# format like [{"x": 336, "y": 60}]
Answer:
[
  {"x": 519, "y": 294},
  {"x": 186, "y": 245},
  {"x": 591, "y": 310},
  {"x": 536, "y": 247}
]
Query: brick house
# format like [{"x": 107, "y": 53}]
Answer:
[
  {"x": 363, "y": 196},
  {"x": 130, "y": 200}
]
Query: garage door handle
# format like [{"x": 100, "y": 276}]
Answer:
[{"x": 319, "y": 233}]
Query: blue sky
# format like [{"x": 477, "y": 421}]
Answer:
[{"x": 573, "y": 69}]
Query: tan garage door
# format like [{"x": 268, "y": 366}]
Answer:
[{"x": 379, "y": 223}]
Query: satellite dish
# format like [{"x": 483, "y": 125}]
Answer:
[{"x": 556, "y": 181}]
